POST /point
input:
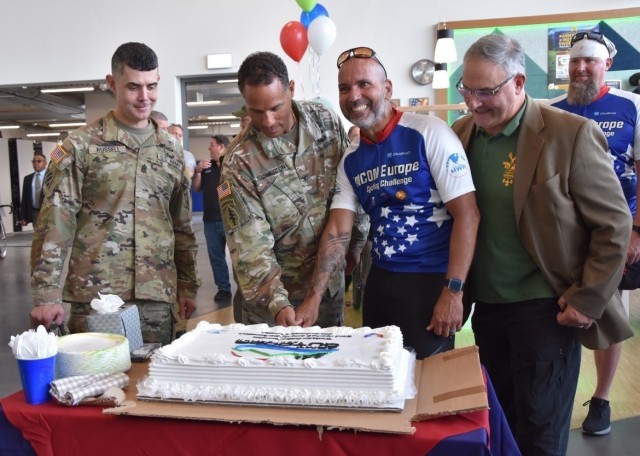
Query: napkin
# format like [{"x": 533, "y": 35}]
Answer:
[
  {"x": 38, "y": 344},
  {"x": 81, "y": 389},
  {"x": 107, "y": 303}
]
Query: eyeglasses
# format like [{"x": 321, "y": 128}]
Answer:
[
  {"x": 591, "y": 35},
  {"x": 484, "y": 94},
  {"x": 37, "y": 161},
  {"x": 360, "y": 53}
]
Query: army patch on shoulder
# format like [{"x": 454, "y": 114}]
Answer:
[
  {"x": 224, "y": 190},
  {"x": 61, "y": 158},
  {"x": 58, "y": 154},
  {"x": 230, "y": 214}
]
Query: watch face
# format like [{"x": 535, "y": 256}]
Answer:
[
  {"x": 422, "y": 71},
  {"x": 455, "y": 285}
]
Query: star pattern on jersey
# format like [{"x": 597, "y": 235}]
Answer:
[{"x": 399, "y": 226}]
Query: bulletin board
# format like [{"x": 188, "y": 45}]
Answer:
[{"x": 544, "y": 39}]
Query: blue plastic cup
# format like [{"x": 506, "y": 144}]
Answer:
[{"x": 36, "y": 375}]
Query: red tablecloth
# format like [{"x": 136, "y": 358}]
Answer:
[{"x": 54, "y": 429}]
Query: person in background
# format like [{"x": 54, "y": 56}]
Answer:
[
  {"x": 551, "y": 244},
  {"x": 161, "y": 120},
  {"x": 243, "y": 115},
  {"x": 410, "y": 175},
  {"x": 163, "y": 123},
  {"x": 116, "y": 191},
  {"x": 177, "y": 132},
  {"x": 618, "y": 114},
  {"x": 277, "y": 182},
  {"x": 32, "y": 194},
  {"x": 206, "y": 179}
]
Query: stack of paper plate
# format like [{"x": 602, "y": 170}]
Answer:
[{"x": 90, "y": 353}]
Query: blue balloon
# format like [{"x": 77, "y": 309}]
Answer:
[{"x": 317, "y": 11}]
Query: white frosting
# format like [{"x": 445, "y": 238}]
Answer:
[{"x": 339, "y": 366}]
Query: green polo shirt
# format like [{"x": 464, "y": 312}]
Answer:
[{"x": 502, "y": 269}]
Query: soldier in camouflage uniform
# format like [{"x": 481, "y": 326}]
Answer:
[
  {"x": 277, "y": 183},
  {"x": 117, "y": 192}
]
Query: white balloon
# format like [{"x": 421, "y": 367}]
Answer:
[{"x": 321, "y": 34}]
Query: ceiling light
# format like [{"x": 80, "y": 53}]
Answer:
[
  {"x": 197, "y": 127},
  {"x": 221, "y": 117},
  {"x": 68, "y": 124},
  {"x": 68, "y": 89},
  {"x": 203, "y": 103},
  {"x": 440, "y": 76},
  {"x": 33, "y": 135},
  {"x": 226, "y": 81},
  {"x": 445, "y": 46},
  {"x": 235, "y": 125},
  {"x": 9, "y": 127}
]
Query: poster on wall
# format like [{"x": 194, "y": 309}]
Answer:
[{"x": 559, "y": 39}]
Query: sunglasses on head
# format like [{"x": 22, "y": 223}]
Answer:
[
  {"x": 360, "y": 53},
  {"x": 591, "y": 35}
]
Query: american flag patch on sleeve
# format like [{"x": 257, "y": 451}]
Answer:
[
  {"x": 224, "y": 190},
  {"x": 58, "y": 154}
]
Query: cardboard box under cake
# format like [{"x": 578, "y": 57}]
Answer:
[{"x": 447, "y": 384}]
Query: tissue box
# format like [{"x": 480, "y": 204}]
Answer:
[{"x": 125, "y": 321}]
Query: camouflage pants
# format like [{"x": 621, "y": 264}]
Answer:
[{"x": 156, "y": 319}]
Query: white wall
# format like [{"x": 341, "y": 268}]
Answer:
[{"x": 68, "y": 40}]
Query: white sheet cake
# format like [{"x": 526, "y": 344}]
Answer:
[{"x": 294, "y": 366}]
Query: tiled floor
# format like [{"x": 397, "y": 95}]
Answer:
[{"x": 16, "y": 302}]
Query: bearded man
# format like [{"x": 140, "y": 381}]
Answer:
[{"x": 617, "y": 113}]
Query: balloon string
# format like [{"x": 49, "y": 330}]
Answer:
[
  {"x": 314, "y": 72},
  {"x": 298, "y": 69}
]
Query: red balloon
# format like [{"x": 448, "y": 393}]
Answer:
[{"x": 293, "y": 39}]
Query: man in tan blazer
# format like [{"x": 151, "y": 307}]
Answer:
[{"x": 551, "y": 244}]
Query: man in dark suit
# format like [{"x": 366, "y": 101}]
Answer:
[
  {"x": 32, "y": 191},
  {"x": 551, "y": 245}
]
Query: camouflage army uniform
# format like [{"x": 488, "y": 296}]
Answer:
[
  {"x": 120, "y": 197},
  {"x": 275, "y": 200}
]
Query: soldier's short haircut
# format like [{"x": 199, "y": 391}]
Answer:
[
  {"x": 177, "y": 125},
  {"x": 136, "y": 56},
  {"x": 261, "y": 68},
  {"x": 221, "y": 139}
]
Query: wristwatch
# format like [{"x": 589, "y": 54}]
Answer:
[{"x": 454, "y": 284}]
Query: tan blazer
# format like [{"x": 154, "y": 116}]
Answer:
[{"x": 571, "y": 214}]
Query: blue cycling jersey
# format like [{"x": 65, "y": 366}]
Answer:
[{"x": 403, "y": 181}]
